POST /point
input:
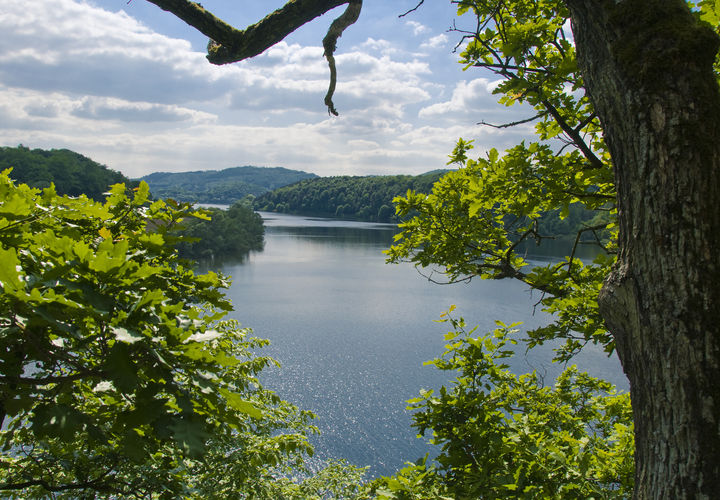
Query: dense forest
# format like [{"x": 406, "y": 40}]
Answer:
[
  {"x": 72, "y": 173},
  {"x": 371, "y": 199},
  {"x": 228, "y": 233},
  {"x": 362, "y": 198},
  {"x": 221, "y": 186}
]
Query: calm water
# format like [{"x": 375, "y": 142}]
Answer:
[{"x": 352, "y": 332}]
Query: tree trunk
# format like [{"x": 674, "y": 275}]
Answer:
[{"x": 648, "y": 68}]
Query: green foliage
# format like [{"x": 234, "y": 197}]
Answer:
[
  {"x": 118, "y": 376},
  {"x": 709, "y": 12},
  {"x": 415, "y": 481},
  {"x": 509, "y": 436},
  {"x": 71, "y": 173},
  {"x": 505, "y": 435},
  {"x": 480, "y": 219},
  {"x": 228, "y": 233},
  {"x": 221, "y": 186},
  {"x": 337, "y": 479},
  {"x": 473, "y": 225},
  {"x": 361, "y": 198}
]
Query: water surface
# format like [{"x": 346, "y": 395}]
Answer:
[{"x": 352, "y": 332}]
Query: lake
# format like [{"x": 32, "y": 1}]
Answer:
[{"x": 352, "y": 332}]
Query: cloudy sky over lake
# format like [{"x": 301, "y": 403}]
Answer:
[{"x": 128, "y": 85}]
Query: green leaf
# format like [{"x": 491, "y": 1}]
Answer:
[
  {"x": 9, "y": 271},
  {"x": 710, "y": 11},
  {"x": 127, "y": 336},
  {"x": 121, "y": 369},
  {"x": 142, "y": 194},
  {"x": 240, "y": 404},
  {"x": 190, "y": 435}
]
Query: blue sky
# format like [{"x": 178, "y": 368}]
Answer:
[{"x": 128, "y": 85}]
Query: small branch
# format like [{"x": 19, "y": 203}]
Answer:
[
  {"x": 573, "y": 134},
  {"x": 585, "y": 122},
  {"x": 577, "y": 242},
  {"x": 21, "y": 221},
  {"x": 466, "y": 279},
  {"x": 335, "y": 31},
  {"x": 512, "y": 124},
  {"x": 413, "y": 9},
  {"x": 58, "y": 379},
  {"x": 503, "y": 69},
  {"x": 601, "y": 196},
  {"x": 97, "y": 484},
  {"x": 532, "y": 231}
]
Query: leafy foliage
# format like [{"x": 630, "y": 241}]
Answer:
[
  {"x": 72, "y": 174},
  {"x": 226, "y": 186},
  {"x": 362, "y": 198},
  {"x": 509, "y": 436},
  {"x": 118, "y": 375},
  {"x": 480, "y": 218},
  {"x": 505, "y": 435},
  {"x": 228, "y": 233}
]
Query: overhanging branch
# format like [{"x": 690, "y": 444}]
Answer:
[
  {"x": 233, "y": 45},
  {"x": 229, "y": 44},
  {"x": 203, "y": 21}
]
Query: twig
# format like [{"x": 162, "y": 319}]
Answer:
[
  {"x": 512, "y": 124},
  {"x": 413, "y": 9}
]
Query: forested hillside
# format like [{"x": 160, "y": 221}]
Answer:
[
  {"x": 362, "y": 198},
  {"x": 72, "y": 173},
  {"x": 229, "y": 233},
  {"x": 371, "y": 199},
  {"x": 221, "y": 186}
]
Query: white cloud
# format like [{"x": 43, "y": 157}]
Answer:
[
  {"x": 363, "y": 144},
  {"x": 104, "y": 84},
  {"x": 418, "y": 28},
  {"x": 382, "y": 46},
  {"x": 567, "y": 30},
  {"x": 117, "y": 109},
  {"x": 467, "y": 97},
  {"x": 435, "y": 42},
  {"x": 66, "y": 46},
  {"x": 299, "y": 80}
]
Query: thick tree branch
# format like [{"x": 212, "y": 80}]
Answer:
[
  {"x": 202, "y": 20},
  {"x": 233, "y": 45},
  {"x": 228, "y": 44}
]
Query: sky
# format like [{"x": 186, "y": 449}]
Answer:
[{"x": 128, "y": 85}]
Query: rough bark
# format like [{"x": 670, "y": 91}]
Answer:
[{"x": 648, "y": 68}]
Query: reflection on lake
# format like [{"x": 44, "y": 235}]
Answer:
[{"x": 352, "y": 332}]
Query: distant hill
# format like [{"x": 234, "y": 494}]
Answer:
[
  {"x": 362, "y": 198},
  {"x": 221, "y": 186},
  {"x": 72, "y": 173}
]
